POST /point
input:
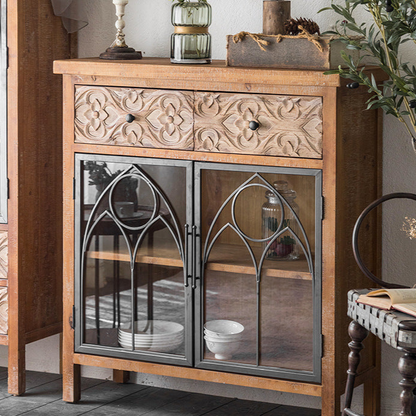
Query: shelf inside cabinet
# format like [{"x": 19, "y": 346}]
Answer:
[{"x": 224, "y": 258}]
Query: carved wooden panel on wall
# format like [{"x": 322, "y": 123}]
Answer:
[
  {"x": 4, "y": 254},
  {"x": 288, "y": 125},
  {"x": 163, "y": 119},
  {"x": 4, "y": 310}
]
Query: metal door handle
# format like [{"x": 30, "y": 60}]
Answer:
[
  {"x": 194, "y": 278},
  {"x": 185, "y": 262}
]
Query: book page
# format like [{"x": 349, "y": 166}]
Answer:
[
  {"x": 409, "y": 308},
  {"x": 396, "y": 295},
  {"x": 382, "y": 302}
]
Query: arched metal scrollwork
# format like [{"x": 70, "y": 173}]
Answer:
[
  {"x": 209, "y": 242},
  {"x": 257, "y": 181},
  {"x": 133, "y": 233}
]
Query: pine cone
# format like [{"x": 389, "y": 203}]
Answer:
[{"x": 292, "y": 26}]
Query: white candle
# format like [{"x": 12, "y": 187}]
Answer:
[{"x": 120, "y": 24}]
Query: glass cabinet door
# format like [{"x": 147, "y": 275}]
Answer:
[
  {"x": 133, "y": 298},
  {"x": 3, "y": 114},
  {"x": 258, "y": 308}
]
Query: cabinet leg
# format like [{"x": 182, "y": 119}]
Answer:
[
  {"x": 17, "y": 372},
  {"x": 71, "y": 379},
  {"x": 407, "y": 368},
  {"x": 120, "y": 376},
  {"x": 357, "y": 334}
]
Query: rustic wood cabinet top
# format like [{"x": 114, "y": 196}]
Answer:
[{"x": 152, "y": 68}]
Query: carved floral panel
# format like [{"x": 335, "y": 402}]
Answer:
[
  {"x": 163, "y": 119},
  {"x": 288, "y": 125},
  {"x": 4, "y": 254},
  {"x": 4, "y": 311}
]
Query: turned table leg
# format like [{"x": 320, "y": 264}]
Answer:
[
  {"x": 407, "y": 368},
  {"x": 357, "y": 334}
]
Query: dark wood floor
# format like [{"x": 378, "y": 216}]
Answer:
[{"x": 105, "y": 398}]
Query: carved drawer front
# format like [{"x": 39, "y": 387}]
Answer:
[
  {"x": 4, "y": 254},
  {"x": 4, "y": 310},
  {"x": 287, "y": 125},
  {"x": 162, "y": 119}
]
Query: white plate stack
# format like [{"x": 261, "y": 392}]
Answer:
[{"x": 154, "y": 335}]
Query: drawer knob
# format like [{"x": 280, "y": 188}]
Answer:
[
  {"x": 130, "y": 118},
  {"x": 254, "y": 125},
  {"x": 353, "y": 85}
]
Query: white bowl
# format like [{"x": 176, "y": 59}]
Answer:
[
  {"x": 222, "y": 327},
  {"x": 223, "y": 350},
  {"x": 230, "y": 337}
]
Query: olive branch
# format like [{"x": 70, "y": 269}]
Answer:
[{"x": 393, "y": 24}]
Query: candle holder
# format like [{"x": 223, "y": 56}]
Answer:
[{"x": 119, "y": 48}]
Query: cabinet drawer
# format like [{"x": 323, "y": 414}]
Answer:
[
  {"x": 288, "y": 125},
  {"x": 4, "y": 311},
  {"x": 4, "y": 254},
  {"x": 162, "y": 118}
]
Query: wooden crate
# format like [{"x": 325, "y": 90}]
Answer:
[{"x": 298, "y": 53}]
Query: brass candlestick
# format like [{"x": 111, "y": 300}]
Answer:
[{"x": 119, "y": 48}]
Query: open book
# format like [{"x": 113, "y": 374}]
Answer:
[{"x": 403, "y": 300}]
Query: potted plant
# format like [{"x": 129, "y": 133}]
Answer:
[
  {"x": 393, "y": 24},
  {"x": 191, "y": 42}
]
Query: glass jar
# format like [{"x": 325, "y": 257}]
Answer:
[
  {"x": 191, "y": 42},
  {"x": 285, "y": 246}
]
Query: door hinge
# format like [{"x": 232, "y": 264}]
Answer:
[
  {"x": 322, "y": 346},
  {"x": 322, "y": 208},
  {"x": 8, "y": 188},
  {"x": 72, "y": 318},
  {"x": 73, "y": 188},
  {"x": 7, "y": 57}
]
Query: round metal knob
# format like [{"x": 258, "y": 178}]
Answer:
[
  {"x": 353, "y": 85},
  {"x": 254, "y": 125},
  {"x": 130, "y": 118}
]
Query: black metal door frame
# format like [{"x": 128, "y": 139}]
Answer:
[
  {"x": 295, "y": 375},
  {"x": 80, "y": 346}
]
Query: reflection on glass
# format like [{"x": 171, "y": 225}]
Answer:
[
  {"x": 277, "y": 216},
  {"x": 272, "y": 300},
  {"x": 132, "y": 263}
]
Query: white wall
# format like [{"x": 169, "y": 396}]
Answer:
[{"x": 148, "y": 29}]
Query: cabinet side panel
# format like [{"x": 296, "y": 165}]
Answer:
[
  {"x": 358, "y": 184},
  {"x": 36, "y": 153},
  {"x": 3, "y": 113}
]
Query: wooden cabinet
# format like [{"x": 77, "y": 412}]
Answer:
[
  {"x": 30, "y": 184},
  {"x": 168, "y": 175}
]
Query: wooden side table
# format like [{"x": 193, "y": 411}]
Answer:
[{"x": 395, "y": 329}]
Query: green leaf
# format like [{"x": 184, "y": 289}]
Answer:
[
  {"x": 332, "y": 72},
  {"x": 322, "y": 10}
]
